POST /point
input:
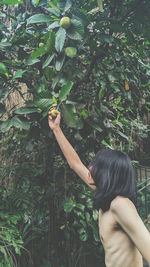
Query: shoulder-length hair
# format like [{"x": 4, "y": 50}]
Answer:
[{"x": 113, "y": 175}]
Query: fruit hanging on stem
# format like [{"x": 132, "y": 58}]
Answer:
[
  {"x": 65, "y": 22},
  {"x": 71, "y": 52}
]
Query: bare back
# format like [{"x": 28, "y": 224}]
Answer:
[{"x": 120, "y": 251}]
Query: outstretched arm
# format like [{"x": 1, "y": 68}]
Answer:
[
  {"x": 127, "y": 216},
  {"x": 68, "y": 151}
]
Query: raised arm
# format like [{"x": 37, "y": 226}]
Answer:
[
  {"x": 127, "y": 216},
  {"x": 68, "y": 151}
]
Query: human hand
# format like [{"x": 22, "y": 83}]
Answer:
[{"x": 54, "y": 122}]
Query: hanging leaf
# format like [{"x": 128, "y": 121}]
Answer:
[
  {"x": 16, "y": 122},
  {"x": 38, "y": 18},
  {"x": 60, "y": 39},
  {"x": 60, "y": 61},
  {"x": 68, "y": 5},
  {"x": 70, "y": 117},
  {"x": 100, "y": 5},
  {"x": 31, "y": 61},
  {"x": 65, "y": 90},
  {"x": 54, "y": 25},
  {"x": 50, "y": 43},
  {"x": 39, "y": 52},
  {"x": 76, "y": 30},
  {"x": 48, "y": 61},
  {"x": 80, "y": 16},
  {"x": 4, "y": 45},
  {"x": 123, "y": 135},
  {"x": 54, "y": 11},
  {"x": 68, "y": 206},
  {"x": 25, "y": 110},
  {"x": 43, "y": 103},
  {"x": 19, "y": 74}
]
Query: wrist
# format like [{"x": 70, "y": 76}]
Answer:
[{"x": 56, "y": 130}]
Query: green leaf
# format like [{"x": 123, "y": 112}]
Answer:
[
  {"x": 95, "y": 215},
  {"x": 94, "y": 125},
  {"x": 35, "y": 2},
  {"x": 54, "y": 11},
  {"x": 31, "y": 61},
  {"x": 43, "y": 103},
  {"x": 123, "y": 135},
  {"x": 38, "y": 18},
  {"x": 80, "y": 206},
  {"x": 106, "y": 38},
  {"x": 16, "y": 122},
  {"x": 4, "y": 45},
  {"x": 54, "y": 25},
  {"x": 100, "y": 5},
  {"x": 2, "y": 108},
  {"x": 60, "y": 61},
  {"x": 60, "y": 39},
  {"x": 101, "y": 93},
  {"x": 68, "y": 206},
  {"x": 118, "y": 101},
  {"x": 68, "y": 5},
  {"x": 39, "y": 52},
  {"x": 25, "y": 110},
  {"x": 83, "y": 234},
  {"x": 76, "y": 30},
  {"x": 11, "y": 2},
  {"x": 70, "y": 117},
  {"x": 80, "y": 16},
  {"x": 19, "y": 74},
  {"x": 48, "y": 61},
  {"x": 65, "y": 90},
  {"x": 5, "y": 125},
  {"x": 50, "y": 43}
]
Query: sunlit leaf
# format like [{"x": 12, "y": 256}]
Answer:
[
  {"x": 38, "y": 18},
  {"x": 65, "y": 90},
  {"x": 60, "y": 39}
]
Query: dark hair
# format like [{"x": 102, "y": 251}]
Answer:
[{"x": 113, "y": 175}]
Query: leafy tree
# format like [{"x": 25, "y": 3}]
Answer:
[{"x": 90, "y": 58}]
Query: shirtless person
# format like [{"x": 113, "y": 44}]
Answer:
[{"x": 122, "y": 232}]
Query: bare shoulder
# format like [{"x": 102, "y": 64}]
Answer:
[{"x": 120, "y": 203}]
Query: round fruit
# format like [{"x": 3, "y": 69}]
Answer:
[
  {"x": 65, "y": 22},
  {"x": 53, "y": 113},
  {"x": 71, "y": 52},
  {"x": 41, "y": 44}
]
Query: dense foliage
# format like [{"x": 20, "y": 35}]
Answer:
[{"x": 95, "y": 67}]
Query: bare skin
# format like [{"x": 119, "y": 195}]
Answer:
[
  {"x": 123, "y": 234},
  {"x": 119, "y": 248}
]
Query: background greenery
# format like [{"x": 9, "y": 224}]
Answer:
[{"x": 103, "y": 92}]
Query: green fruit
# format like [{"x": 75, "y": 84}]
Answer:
[
  {"x": 39, "y": 110},
  {"x": 65, "y": 22},
  {"x": 3, "y": 69},
  {"x": 41, "y": 44},
  {"x": 71, "y": 52},
  {"x": 53, "y": 113}
]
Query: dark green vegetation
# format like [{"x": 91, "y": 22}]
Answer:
[{"x": 103, "y": 92}]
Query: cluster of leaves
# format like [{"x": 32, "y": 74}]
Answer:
[{"x": 102, "y": 88}]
